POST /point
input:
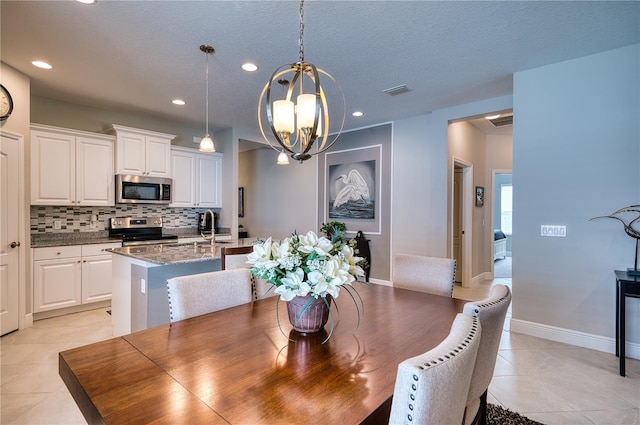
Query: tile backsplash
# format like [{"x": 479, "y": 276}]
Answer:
[{"x": 78, "y": 219}]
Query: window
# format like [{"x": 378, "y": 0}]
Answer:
[{"x": 506, "y": 207}]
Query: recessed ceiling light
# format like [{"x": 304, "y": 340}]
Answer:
[
  {"x": 41, "y": 64},
  {"x": 86, "y": 1},
  {"x": 492, "y": 117},
  {"x": 250, "y": 67},
  {"x": 357, "y": 114},
  {"x": 178, "y": 102}
]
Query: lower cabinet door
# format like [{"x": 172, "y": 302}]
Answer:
[
  {"x": 96, "y": 278},
  {"x": 57, "y": 284}
]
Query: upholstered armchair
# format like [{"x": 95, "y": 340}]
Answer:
[
  {"x": 236, "y": 257},
  {"x": 432, "y": 388},
  {"x": 203, "y": 293},
  {"x": 425, "y": 274},
  {"x": 491, "y": 312}
]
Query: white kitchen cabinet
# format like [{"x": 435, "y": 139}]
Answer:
[
  {"x": 71, "y": 167},
  {"x": 96, "y": 272},
  {"x": 66, "y": 276},
  {"x": 57, "y": 275},
  {"x": 197, "y": 178},
  {"x": 142, "y": 152}
]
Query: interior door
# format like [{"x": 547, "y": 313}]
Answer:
[
  {"x": 457, "y": 221},
  {"x": 9, "y": 231}
]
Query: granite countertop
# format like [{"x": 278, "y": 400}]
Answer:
[
  {"x": 42, "y": 240},
  {"x": 175, "y": 253}
]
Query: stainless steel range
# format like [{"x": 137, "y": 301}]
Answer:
[{"x": 139, "y": 231}]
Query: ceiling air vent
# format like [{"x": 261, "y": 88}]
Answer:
[
  {"x": 393, "y": 91},
  {"x": 502, "y": 121}
]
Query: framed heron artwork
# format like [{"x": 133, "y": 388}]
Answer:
[
  {"x": 352, "y": 187},
  {"x": 352, "y": 190}
]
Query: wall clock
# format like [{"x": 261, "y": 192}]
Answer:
[{"x": 6, "y": 103}]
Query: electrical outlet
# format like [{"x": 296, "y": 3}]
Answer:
[
  {"x": 553, "y": 231},
  {"x": 176, "y": 222},
  {"x": 57, "y": 224}
]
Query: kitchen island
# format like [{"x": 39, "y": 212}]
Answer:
[{"x": 139, "y": 298}]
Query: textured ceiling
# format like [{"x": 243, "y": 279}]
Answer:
[{"x": 138, "y": 55}]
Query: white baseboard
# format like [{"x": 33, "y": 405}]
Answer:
[
  {"x": 380, "y": 282},
  {"x": 569, "y": 336},
  {"x": 27, "y": 321}
]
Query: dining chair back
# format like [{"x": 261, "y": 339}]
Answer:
[
  {"x": 236, "y": 257},
  {"x": 203, "y": 293},
  {"x": 491, "y": 312},
  {"x": 431, "y": 388},
  {"x": 425, "y": 274}
]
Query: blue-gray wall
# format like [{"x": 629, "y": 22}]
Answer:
[{"x": 576, "y": 155}]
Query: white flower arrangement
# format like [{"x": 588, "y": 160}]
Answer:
[{"x": 306, "y": 265}]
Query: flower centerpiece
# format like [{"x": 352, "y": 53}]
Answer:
[{"x": 308, "y": 271}]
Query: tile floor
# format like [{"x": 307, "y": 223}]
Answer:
[{"x": 547, "y": 381}]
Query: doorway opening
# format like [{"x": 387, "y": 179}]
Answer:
[
  {"x": 502, "y": 212},
  {"x": 461, "y": 210}
]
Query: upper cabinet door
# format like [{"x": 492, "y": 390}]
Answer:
[
  {"x": 130, "y": 154},
  {"x": 183, "y": 165},
  {"x": 158, "y": 156},
  {"x": 94, "y": 172},
  {"x": 53, "y": 176},
  {"x": 209, "y": 178}
]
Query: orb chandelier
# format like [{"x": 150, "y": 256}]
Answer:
[
  {"x": 301, "y": 128},
  {"x": 206, "y": 144}
]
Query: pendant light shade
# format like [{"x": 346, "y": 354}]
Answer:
[
  {"x": 283, "y": 159},
  {"x": 299, "y": 119},
  {"x": 206, "y": 144}
]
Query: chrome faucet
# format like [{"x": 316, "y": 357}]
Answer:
[{"x": 211, "y": 238}]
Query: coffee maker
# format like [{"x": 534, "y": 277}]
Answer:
[{"x": 205, "y": 226}]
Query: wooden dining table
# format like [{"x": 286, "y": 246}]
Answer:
[{"x": 245, "y": 365}]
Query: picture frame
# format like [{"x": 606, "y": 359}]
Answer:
[
  {"x": 356, "y": 172},
  {"x": 241, "y": 201},
  {"x": 479, "y": 196}
]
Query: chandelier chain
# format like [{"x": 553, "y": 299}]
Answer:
[{"x": 301, "y": 40}]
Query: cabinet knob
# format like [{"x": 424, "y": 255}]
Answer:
[{"x": 14, "y": 244}]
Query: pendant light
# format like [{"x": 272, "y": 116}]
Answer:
[
  {"x": 206, "y": 144},
  {"x": 301, "y": 128}
]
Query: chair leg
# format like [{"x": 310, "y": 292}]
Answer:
[{"x": 483, "y": 408}]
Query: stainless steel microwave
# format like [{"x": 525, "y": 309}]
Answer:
[{"x": 142, "y": 190}]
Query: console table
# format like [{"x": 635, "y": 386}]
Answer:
[{"x": 626, "y": 286}]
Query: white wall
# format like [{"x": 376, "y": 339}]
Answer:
[
  {"x": 278, "y": 199},
  {"x": 576, "y": 150},
  {"x": 78, "y": 117}
]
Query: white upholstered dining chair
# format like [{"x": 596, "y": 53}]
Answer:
[
  {"x": 203, "y": 293},
  {"x": 236, "y": 257},
  {"x": 491, "y": 312},
  {"x": 425, "y": 274},
  {"x": 431, "y": 388}
]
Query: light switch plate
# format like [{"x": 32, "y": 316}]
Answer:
[
  {"x": 57, "y": 225},
  {"x": 553, "y": 231}
]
